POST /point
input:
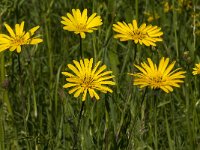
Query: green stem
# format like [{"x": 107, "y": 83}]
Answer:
[
  {"x": 81, "y": 50},
  {"x": 21, "y": 93},
  {"x": 21, "y": 88},
  {"x": 32, "y": 85},
  {"x": 83, "y": 102},
  {"x": 20, "y": 83},
  {"x": 105, "y": 136},
  {"x": 5, "y": 92},
  {"x": 2, "y": 138},
  {"x": 78, "y": 125},
  {"x": 168, "y": 131},
  {"x": 80, "y": 114},
  {"x": 56, "y": 89},
  {"x": 188, "y": 118},
  {"x": 125, "y": 60},
  {"x": 123, "y": 116},
  {"x": 194, "y": 30},
  {"x": 136, "y": 9},
  {"x": 94, "y": 49},
  {"x": 155, "y": 120},
  {"x": 50, "y": 64},
  {"x": 175, "y": 30}
]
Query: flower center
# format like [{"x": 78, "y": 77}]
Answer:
[
  {"x": 81, "y": 27},
  {"x": 18, "y": 41},
  {"x": 87, "y": 82},
  {"x": 198, "y": 71},
  {"x": 156, "y": 80},
  {"x": 137, "y": 34}
]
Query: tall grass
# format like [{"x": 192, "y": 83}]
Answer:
[{"x": 45, "y": 116}]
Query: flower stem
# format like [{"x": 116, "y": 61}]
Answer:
[
  {"x": 126, "y": 59},
  {"x": 83, "y": 102},
  {"x": 78, "y": 125},
  {"x": 81, "y": 50},
  {"x": 193, "y": 31},
  {"x": 143, "y": 96},
  {"x": 155, "y": 119},
  {"x": 32, "y": 84},
  {"x": 175, "y": 30},
  {"x": 94, "y": 49},
  {"x": 20, "y": 80},
  {"x": 3, "y": 79},
  {"x": 19, "y": 65},
  {"x": 80, "y": 113},
  {"x": 21, "y": 87},
  {"x": 136, "y": 9}
]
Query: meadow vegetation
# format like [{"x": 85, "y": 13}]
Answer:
[{"x": 36, "y": 112}]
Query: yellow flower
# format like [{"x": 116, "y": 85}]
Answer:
[
  {"x": 18, "y": 38},
  {"x": 166, "y": 7},
  {"x": 158, "y": 77},
  {"x": 86, "y": 78},
  {"x": 151, "y": 17},
  {"x": 196, "y": 69},
  {"x": 80, "y": 23},
  {"x": 185, "y": 4},
  {"x": 146, "y": 35}
]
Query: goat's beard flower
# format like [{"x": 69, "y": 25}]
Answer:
[
  {"x": 80, "y": 23},
  {"x": 86, "y": 79},
  {"x": 147, "y": 35},
  {"x": 158, "y": 77},
  {"x": 18, "y": 38}
]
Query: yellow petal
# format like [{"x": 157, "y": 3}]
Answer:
[
  {"x": 35, "y": 41},
  {"x": 9, "y": 30},
  {"x": 18, "y": 49}
]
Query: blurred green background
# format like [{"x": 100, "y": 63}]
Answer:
[{"x": 42, "y": 115}]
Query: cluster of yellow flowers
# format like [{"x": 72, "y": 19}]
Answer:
[
  {"x": 182, "y": 5},
  {"x": 86, "y": 77}
]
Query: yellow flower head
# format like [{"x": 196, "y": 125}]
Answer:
[
  {"x": 18, "y": 38},
  {"x": 166, "y": 7},
  {"x": 146, "y": 35},
  {"x": 158, "y": 77},
  {"x": 185, "y": 4},
  {"x": 80, "y": 23},
  {"x": 196, "y": 69},
  {"x": 151, "y": 17},
  {"x": 86, "y": 78}
]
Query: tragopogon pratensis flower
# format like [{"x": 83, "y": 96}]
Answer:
[
  {"x": 86, "y": 79},
  {"x": 158, "y": 77},
  {"x": 80, "y": 23},
  {"x": 18, "y": 38},
  {"x": 146, "y": 35},
  {"x": 196, "y": 69}
]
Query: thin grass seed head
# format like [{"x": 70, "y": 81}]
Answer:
[
  {"x": 147, "y": 35},
  {"x": 86, "y": 78},
  {"x": 196, "y": 69},
  {"x": 80, "y": 23},
  {"x": 158, "y": 77},
  {"x": 17, "y": 38}
]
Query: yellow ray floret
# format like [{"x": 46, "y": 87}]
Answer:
[
  {"x": 160, "y": 76},
  {"x": 86, "y": 78},
  {"x": 80, "y": 23},
  {"x": 147, "y": 35},
  {"x": 196, "y": 69},
  {"x": 17, "y": 38}
]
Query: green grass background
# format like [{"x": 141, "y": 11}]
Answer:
[{"x": 40, "y": 114}]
